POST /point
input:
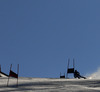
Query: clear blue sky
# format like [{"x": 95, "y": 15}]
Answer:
[{"x": 41, "y": 35}]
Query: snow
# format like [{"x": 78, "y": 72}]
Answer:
[
  {"x": 95, "y": 75},
  {"x": 49, "y": 85}
]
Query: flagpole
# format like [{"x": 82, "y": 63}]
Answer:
[
  {"x": 8, "y": 75},
  {"x": 17, "y": 73},
  {"x": 0, "y": 70}
]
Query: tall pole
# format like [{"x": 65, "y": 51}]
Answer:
[
  {"x": 0, "y": 70},
  {"x": 67, "y": 68},
  {"x": 73, "y": 63},
  {"x": 17, "y": 73},
  {"x": 60, "y": 74},
  {"x": 9, "y": 75}
]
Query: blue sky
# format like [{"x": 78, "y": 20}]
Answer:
[{"x": 40, "y": 36}]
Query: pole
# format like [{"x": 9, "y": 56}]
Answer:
[
  {"x": 73, "y": 63},
  {"x": 0, "y": 70},
  {"x": 17, "y": 73},
  {"x": 9, "y": 75},
  {"x": 67, "y": 68}
]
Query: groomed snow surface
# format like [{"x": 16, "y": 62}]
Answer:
[{"x": 49, "y": 85}]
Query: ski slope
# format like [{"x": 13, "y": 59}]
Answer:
[{"x": 49, "y": 85}]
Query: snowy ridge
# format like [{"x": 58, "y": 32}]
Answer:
[
  {"x": 95, "y": 75},
  {"x": 49, "y": 85}
]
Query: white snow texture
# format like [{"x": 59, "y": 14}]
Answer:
[{"x": 91, "y": 84}]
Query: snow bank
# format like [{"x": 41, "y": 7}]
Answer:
[{"x": 95, "y": 75}]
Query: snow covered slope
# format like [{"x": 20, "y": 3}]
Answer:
[{"x": 50, "y": 85}]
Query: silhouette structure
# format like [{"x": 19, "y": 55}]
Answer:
[
  {"x": 77, "y": 75},
  {"x": 13, "y": 74},
  {"x": 2, "y": 73},
  {"x": 62, "y": 76},
  {"x": 70, "y": 70}
]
